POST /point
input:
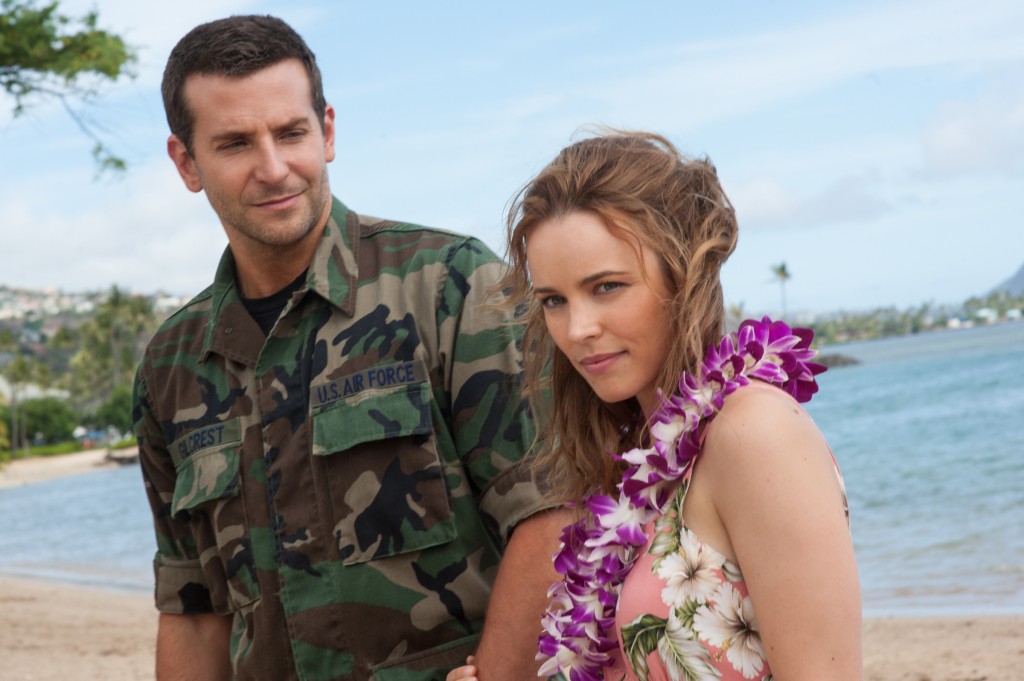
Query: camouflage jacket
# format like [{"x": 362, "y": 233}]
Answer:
[{"x": 344, "y": 486}]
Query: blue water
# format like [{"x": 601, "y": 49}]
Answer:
[
  {"x": 928, "y": 431},
  {"x": 92, "y": 529}
]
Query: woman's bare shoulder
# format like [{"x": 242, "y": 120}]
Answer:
[{"x": 759, "y": 428}]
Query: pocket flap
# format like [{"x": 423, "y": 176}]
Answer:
[
  {"x": 206, "y": 476},
  {"x": 372, "y": 415}
]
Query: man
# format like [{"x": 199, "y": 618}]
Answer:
[{"x": 331, "y": 433}]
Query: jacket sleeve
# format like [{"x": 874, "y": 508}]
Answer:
[{"x": 490, "y": 421}]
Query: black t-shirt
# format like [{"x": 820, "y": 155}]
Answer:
[{"x": 266, "y": 310}]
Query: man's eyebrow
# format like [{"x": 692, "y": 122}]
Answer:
[{"x": 240, "y": 133}]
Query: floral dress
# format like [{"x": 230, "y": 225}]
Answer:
[{"x": 684, "y": 613}]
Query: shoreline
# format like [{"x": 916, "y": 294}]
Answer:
[
  {"x": 35, "y": 469},
  {"x": 51, "y": 632}
]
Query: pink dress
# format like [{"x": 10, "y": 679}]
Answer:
[{"x": 684, "y": 612}]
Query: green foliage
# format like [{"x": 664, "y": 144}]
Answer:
[
  {"x": 45, "y": 54},
  {"x": 640, "y": 638},
  {"x": 49, "y": 418},
  {"x": 125, "y": 443},
  {"x": 111, "y": 345},
  {"x": 68, "y": 447},
  {"x": 5, "y": 436},
  {"x": 116, "y": 411}
]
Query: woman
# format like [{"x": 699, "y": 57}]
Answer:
[{"x": 715, "y": 545}]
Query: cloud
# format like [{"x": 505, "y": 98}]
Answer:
[
  {"x": 767, "y": 203},
  {"x": 984, "y": 135},
  {"x": 692, "y": 83},
  {"x": 146, "y": 232}
]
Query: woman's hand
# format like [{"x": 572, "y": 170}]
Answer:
[{"x": 465, "y": 673}]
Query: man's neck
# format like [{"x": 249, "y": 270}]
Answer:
[{"x": 264, "y": 270}]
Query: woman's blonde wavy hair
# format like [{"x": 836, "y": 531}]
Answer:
[{"x": 647, "y": 192}]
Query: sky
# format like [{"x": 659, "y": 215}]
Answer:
[{"x": 874, "y": 147}]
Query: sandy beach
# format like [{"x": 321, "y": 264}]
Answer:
[
  {"x": 36, "y": 469},
  {"x": 52, "y": 631}
]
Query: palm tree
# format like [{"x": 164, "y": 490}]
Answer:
[
  {"x": 110, "y": 346},
  {"x": 781, "y": 275}
]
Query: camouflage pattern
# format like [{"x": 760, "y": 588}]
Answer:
[{"x": 345, "y": 488}]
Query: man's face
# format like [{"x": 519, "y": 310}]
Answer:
[{"x": 259, "y": 153}]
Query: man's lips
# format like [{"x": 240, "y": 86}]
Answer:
[{"x": 278, "y": 202}]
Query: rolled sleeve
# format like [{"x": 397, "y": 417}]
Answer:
[
  {"x": 180, "y": 586},
  {"x": 512, "y": 497}
]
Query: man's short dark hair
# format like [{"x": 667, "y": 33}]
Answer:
[{"x": 235, "y": 47}]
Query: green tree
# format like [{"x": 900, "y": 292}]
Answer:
[
  {"x": 9, "y": 345},
  {"x": 116, "y": 411},
  {"x": 111, "y": 344},
  {"x": 45, "y": 54},
  {"x": 782, "y": 276},
  {"x": 18, "y": 373},
  {"x": 50, "y": 419}
]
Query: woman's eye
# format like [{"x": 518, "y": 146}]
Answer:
[
  {"x": 552, "y": 301},
  {"x": 608, "y": 286}
]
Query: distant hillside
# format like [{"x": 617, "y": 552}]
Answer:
[{"x": 1013, "y": 286}]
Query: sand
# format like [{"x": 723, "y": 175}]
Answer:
[
  {"x": 36, "y": 469},
  {"x": 51, "y": 632}
]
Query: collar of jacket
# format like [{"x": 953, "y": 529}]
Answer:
[{"x": 332, "y": 275}]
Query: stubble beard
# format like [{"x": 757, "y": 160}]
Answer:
[{"x": 287, "y": 230}]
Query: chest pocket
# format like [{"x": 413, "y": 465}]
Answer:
[
  {"x": 385, "y": 478},
  {"x": 206, "y": 463},
  {"x": 207, "y": 495}
]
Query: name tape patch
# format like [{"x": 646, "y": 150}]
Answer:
[{"x": 207, "y": 437}]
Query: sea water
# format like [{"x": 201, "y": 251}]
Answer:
[{"x": 928, "y": 431}]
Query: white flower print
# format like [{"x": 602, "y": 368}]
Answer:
[
  {"x": 688, "y": 573},
  {"x": 685, "y": 659},
  {"x": 731, "y": 571},
  {"x": 730, "y": 624}
]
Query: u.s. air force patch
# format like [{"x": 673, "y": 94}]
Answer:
[{"x": 384, "y": 377}]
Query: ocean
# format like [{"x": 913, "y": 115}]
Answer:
[{"x": 928, "y": 431}]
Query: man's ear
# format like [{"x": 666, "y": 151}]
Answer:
[
  {"x": 185, "y": 164},
  {"x": 329, "y": 133}
]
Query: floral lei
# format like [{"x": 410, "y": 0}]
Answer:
[{"x": 599, "y": 550}]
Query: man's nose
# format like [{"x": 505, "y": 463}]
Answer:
[{"x": 272, "y": 168}]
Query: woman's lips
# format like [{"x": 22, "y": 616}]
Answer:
[{"x": 598, "y": 364}]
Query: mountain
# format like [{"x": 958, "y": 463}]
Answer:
[{"x": 1013, "y": 286}]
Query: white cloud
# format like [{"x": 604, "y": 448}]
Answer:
[
  {"x": 146, "y": 232},
  {"x": 983, "y": 135},
  {"x": 693, "y": 83},
  {"x": 766, "y": 203}
]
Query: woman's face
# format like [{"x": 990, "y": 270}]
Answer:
[{"x": 605, "y": 311}]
